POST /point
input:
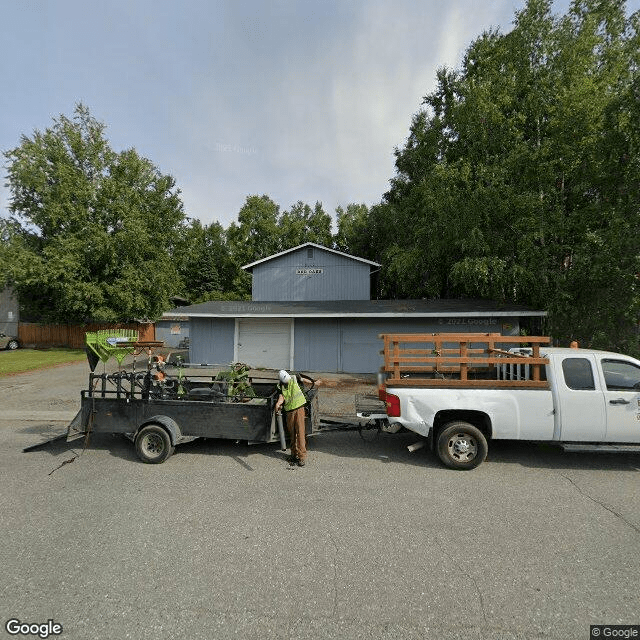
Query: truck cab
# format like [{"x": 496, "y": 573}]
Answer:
[{"x": 596, "y": 395}]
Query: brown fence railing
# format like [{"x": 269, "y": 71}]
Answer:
[
  {"x": 72, "y": 335},
  {"x": 463, "y": 360}
]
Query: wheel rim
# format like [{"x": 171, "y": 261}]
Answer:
[
  {"x": 152, "y": 445},
  {"x": 13, "y": 345},
  {"x": 462, "y": 447}
]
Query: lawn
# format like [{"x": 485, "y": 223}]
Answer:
[{"x": 22, "y": 360}]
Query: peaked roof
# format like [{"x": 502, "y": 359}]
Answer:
[{"x": 250, "y": 266}]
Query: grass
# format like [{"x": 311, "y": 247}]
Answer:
[{"x": 22, "y": 360}]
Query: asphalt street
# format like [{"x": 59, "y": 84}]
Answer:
[{"x": 226, "y": 540}]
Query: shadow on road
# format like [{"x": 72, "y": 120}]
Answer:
[
  {"x": 544, "y": 455},
  {"x": 383, "y": 447}
]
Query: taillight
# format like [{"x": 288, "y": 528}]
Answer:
[{"x": 393, "y": 405}]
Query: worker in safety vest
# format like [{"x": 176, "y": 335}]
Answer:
[{"x": 293, "y": 399}]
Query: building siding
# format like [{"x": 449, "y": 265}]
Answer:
[
  {"x": 325, "y": 294},
  {"x": 360, "y": 346},
  {"x": 211, "y": 340},
  {"x": 174, "y": 333},
  {"x": 345, "y": 345},
  {"x": 340, "y": 278},
  {"x": 316, "y": 345}
]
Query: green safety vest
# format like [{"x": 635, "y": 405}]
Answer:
[{"x": 293, "y": 396}]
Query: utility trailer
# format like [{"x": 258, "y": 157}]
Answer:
[
  {"x": 158, "y": 411},
  {"x": 159, "y": 416}
]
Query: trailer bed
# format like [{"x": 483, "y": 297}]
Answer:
[
  {"x": 252, "y": 420},
  {"x": 160, "y": 413}
]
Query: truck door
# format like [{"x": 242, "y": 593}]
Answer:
[
  {"x": 582, "y": 408},
  {"x": 622, "y": 400}
]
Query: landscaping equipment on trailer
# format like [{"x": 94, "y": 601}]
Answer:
[{"x": 159, "y": 410}]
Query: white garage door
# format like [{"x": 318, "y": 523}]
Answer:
[{"x": 264, "y": 343}]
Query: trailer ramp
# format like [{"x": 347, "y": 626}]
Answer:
[{"x": 75, "y": 430}]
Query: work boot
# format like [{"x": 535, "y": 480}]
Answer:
[
  {"x": 292, "y": 460},
  {"x": 301, "y": 463}
]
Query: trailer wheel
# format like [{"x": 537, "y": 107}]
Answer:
[
  {"x": 461, "y": 446},
  {"x": 153, "y": 444}
]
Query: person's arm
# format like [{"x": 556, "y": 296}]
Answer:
[{"x": 310, "y": 382}]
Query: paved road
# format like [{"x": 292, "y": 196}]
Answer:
[{"x": 367, "y": 541}]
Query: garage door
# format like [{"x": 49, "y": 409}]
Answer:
[{"x": 264, "y": 343}]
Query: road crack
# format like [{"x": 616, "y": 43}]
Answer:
[
  {"x": 612, "y": 511},
  {"x": 481, "y": 600},
  {"x": 335, "y": 576},
  {"x": 439, "y": 544}
]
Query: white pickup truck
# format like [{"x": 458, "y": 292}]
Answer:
[{"x": 462, "y": 391}]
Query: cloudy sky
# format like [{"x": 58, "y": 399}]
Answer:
[{"x": 299, "y": 100}]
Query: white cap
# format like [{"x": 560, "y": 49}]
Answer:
[{"x": 284, "y": 376}]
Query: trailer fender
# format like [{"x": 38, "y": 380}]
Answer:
[{"x": 168, "y": 423}]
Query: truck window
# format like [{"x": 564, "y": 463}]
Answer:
[
  {"x": 621, "y": 376},
  {"x": 578, "y": 374}
]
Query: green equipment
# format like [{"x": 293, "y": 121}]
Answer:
[{"x": 110, "y": 343}]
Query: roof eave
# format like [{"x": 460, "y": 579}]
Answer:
[
  {"x": 401, "y": 314},
  {"x": 250, "y": 266}
]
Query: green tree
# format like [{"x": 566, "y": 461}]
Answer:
[
  {"x": 96, "y": 227},
  {"x": 205, "y": 264},
  {"x": 302, "y": 224},
  {"x": 353, "y": 234},
  {"x": 519, "y": 178},
  {"x": 256, "y": 235},
  {"x": 8, "y": 232}
]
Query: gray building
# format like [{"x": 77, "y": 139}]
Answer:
[
  {"x": 311, "y": 272},
  {"x": 9, "y": 312},
  {"x": 311, "y": 312},
  {"x": 173, "y": 331}
]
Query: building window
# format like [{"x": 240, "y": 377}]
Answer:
[{"x": 309, "y": 252}]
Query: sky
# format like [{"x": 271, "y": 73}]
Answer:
[{"x": 299, "y": 100}]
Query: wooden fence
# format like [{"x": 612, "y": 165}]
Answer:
[{"x": 71, "y": 335}]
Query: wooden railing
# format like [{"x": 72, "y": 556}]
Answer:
[{"x": 463, "y": 360}]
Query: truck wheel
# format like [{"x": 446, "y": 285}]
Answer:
[
  {"x": 461, "y": 446},
  {"x": 153, "y": 444},
  {"x": 12, "y": 345}
]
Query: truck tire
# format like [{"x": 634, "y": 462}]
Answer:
[
  {"x": 153, "y": 444},
  {"x": 461, "y": 446}
]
